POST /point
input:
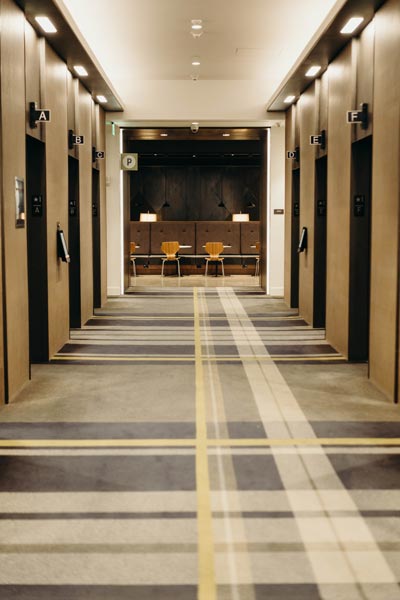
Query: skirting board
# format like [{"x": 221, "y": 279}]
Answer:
[
  {"x": 276, "y": 291},
  {"x": 113, "y": 291}
]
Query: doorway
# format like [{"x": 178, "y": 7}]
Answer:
[
  {"x": 294, "y": 270},
  {"x": 96, "y": 216},
  {"x": 74, "y": 244},
  {"x": 321, "y": 181},
  {"x": 360, "y": 260},
  {"x": 37, "y": 250}
]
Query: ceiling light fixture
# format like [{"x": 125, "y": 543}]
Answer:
[
  {"x": 312, "y": 71},
  {"x": 196, "y": 28},
  {"x": 196, "y": 61},
  {"x": 164, "y": 134},
  {"x": 226, "y": 135},
  {"x": 81, "y": 71},
  {"x": 352, "y": 25},
  {"x": 102, "y": 99},
  {"x": 289, "y": 99},
  {"x": 46, "y": 24}
]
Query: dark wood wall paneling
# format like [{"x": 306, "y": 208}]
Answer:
[{"x": 194, "y": 193}]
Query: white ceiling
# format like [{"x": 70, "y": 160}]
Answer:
[{"x": 145, "y": 48}]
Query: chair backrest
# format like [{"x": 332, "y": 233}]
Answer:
[
  {"x": 214, "y": 249},
  {"x": 133, "y": 247},
  {"x": 170, "y": 248},
  {"x": 258, "y": 247}
]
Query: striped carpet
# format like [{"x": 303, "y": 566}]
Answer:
[
  {"x": 168, "y": 338},
  {"x": 191, "y": 471}
]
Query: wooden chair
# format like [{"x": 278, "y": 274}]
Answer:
[
  {"x": 214, "y": 249},
  {"x": 170, "y": 249},
  {"x": 257, "y": 270},
  {"x": 133, "y": 259}
]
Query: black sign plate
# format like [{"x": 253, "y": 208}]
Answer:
[
  {"x": 321, "y": 208},
  {"x": 359, "y": 206},
  {"x": 37, "y": 206}
]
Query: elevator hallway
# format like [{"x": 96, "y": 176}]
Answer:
[{"x": 199, "y": 443}]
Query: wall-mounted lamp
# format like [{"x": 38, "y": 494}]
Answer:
[
  {"x": 241, "y": 217},
  {"x": 148, "y": 217}
]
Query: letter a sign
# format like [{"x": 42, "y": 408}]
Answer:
[{"x": 38, "y": 115}]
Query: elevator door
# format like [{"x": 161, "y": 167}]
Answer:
[
  {"x": 360, "y": 225},
  {"x": 37, "y": 250},
  {"x": 74, "y": 244},
  {"x": 320, "y": 242},
  {"x": 294, "y": 283},
  {"x": 96, "y": 217}
]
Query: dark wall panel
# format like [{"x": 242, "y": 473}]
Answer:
[{"x": 194, "y": 193}]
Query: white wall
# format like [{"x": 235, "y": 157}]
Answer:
[
  {"x": 114, "y": 232},
  {"x": 277, "y": 200}
]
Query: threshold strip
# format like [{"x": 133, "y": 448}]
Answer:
[
  {"x": 165, "y": 358},
  {"x": 207, "y": 588},
  {"x": 191, "y": 443}
]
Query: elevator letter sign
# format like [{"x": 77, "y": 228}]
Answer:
[
  {"x": 38, "y": 115},
  {"x": 129, "y": 162}
]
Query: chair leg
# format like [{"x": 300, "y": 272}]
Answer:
[
  {"x": 222, "y": 267},
  {"x": 134, "y": 267},
  {"x": 206, "y": 268},
  {"x": 257, "y": 269},
  {"x": 162, "y": 268},
  {"x": 179, "y": 268}
]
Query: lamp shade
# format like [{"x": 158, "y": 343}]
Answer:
[
  {"x": 149, "y": 217},
  {"x": 241, "y": 217}
]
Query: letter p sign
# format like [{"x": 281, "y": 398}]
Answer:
[{"x": 129, "y": 162}]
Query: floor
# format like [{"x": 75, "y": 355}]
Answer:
[
  {"x": 168, "y": 281},
  {"x": 199, "y": 444}
]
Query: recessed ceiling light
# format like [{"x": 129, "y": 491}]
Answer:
[
  {"x": 102, "y": 99},
  {"x": 81, "y": 71},
  {"x": 226, "y": 135},
  {"x": 352, "y": 24},
  {"x": 312, "y": 71},
  {"x": 46, "y": 24},
  {"x": 197, "y": 24},
  {"x": 164, "y": 134},
  {"x": 289, "y": 99},
  {"x": 195, "y": 61}
]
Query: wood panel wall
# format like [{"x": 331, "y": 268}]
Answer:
[
  {"x": 194, "y": 193},
  {"x": 367, "y": 70},
  {"x": 32, "y": 72},
  {"x": 84, "y": 127},
  {"x": 341, "y": 99},
  {"x": 307, "y": 116},
  {"x": 385, "y": 202},
  {"x": 289, "y": 144},
  {"x": 55, "y": 98},
  {"x": 13, "y": 165},
  {"x": 101, "y": 137}
]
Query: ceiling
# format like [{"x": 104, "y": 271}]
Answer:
[{"x": 145, "y": 47}]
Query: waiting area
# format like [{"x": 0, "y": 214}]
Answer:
[{"x": 189, "y": 247}]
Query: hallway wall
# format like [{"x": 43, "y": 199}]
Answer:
[
  {"x": 349, "y": 81},
  {"x": 32, "y": 72}
]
